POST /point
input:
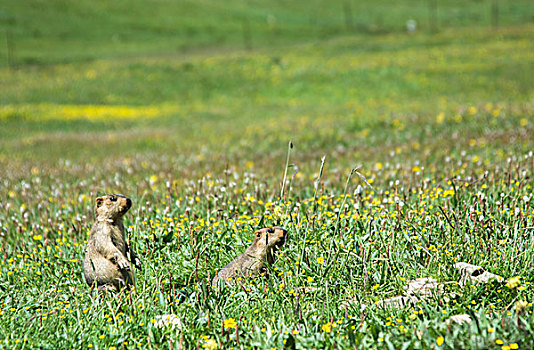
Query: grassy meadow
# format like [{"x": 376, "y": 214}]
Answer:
[
  {"x": 410, "y": 152},
  {"x": 60, "y": 31}
]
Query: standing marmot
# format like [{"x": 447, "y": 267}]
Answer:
[
  {"x": 252, "y": 262},
  {"x": 106, "y": 261}
]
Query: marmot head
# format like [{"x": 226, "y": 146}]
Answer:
[
  {"x": 271, "y": 237},
  {"x": 112, "y": 206}
]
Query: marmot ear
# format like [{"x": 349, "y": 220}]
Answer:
[
  {"x": 257, "y": 234},
  {"x": 99, "y": 202}
]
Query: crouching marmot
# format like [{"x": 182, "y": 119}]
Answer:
[
  {"x": 253, "y": 261},
  {"x": 106, "y": 262}
]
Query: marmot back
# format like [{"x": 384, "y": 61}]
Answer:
[
  {"x": 106, "y": 262},
  {"x": 253, "y": 261}
]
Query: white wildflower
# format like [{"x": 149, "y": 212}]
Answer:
[{"x": 167, "y": 321}]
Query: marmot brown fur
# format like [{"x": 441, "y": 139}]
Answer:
[
  {"x": 253, "y": 261},
  {"x": 106, "y": 262}
]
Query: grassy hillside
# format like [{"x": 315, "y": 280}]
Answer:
[
  {"x": 316, "y": 95},
  {"x": 64, "y": 31}
]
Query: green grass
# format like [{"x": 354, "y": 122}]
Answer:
[
  {"x": 439, "y": 123},
  {"x": 350, "y": 83},
  {"x": 63, "y": 31}
]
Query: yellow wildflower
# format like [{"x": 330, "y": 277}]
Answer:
[
  {"x": 520, "y": 306},
  {"x": 440, "y": 340},
  {"x": 513, "y": 282},
  {"x": 327, "y": 327},
  {"x": 230, "y": 323}
]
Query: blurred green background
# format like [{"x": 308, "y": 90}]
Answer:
[
  {"x": 69, "y": 31},
  {"x": 123, "y": 77}
]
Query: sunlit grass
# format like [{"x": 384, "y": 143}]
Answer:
[
  {"x": 59, "y": 32},
  {"x": 439, "y": 126}
]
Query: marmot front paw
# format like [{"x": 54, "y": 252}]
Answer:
[
  {"x": 137, "y": 263},
  {"x": 123, "y": 264}
]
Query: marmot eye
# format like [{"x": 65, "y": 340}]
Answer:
[
  {"x": 270, "y": 230},
  {"x": 113, "y": 198}
]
